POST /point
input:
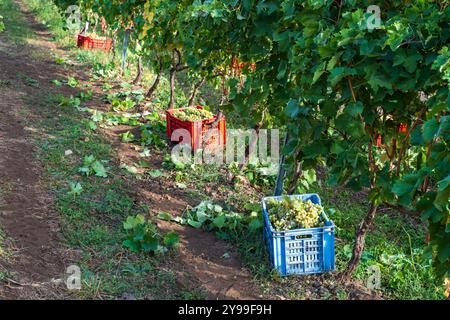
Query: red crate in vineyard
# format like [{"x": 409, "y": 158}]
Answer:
[
  {"x": 88, "y": 43},
  {"x": 197, "y": 130}
]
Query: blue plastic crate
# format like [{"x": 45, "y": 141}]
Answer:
[{"x": 300, "y": 251}]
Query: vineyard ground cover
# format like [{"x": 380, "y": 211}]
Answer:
[{"x": 91, "y": 223}]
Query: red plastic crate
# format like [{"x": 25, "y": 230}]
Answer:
[
  {"x": 197, "y": 130},
  {"x": 88, "y": 43}
]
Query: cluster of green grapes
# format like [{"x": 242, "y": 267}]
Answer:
[
  {"x": 192, "y": 114},
  {"x": 95, "y": 36},
  {"x": 289, "y": 214}
]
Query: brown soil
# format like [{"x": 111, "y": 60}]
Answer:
[{"x": 34, "y": 261}]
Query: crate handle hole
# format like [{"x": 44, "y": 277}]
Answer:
[{"x": 303, "y": 236}]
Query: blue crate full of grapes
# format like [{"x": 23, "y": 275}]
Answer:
[{"x": 298, "y": 234}]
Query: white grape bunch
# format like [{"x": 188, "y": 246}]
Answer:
[
  {"x": 290, "y": 213},
  {"x": 192, "y": 114}
]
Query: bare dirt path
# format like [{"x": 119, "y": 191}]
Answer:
[{"x": 33, "y": 261}]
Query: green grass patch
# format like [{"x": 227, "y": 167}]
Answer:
[
  {"x": 395, "y": 244},
  {"x": 16, "y": 28},
  {"x": 48, "y": 14}
]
